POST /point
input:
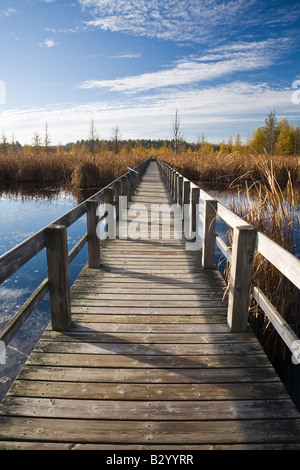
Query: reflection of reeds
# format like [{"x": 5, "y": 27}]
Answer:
[{"x": 272, "y": 211}]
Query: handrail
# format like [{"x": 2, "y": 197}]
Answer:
[
  {"x": 245, "y": 240},
  {"x": 14, "y": 259}
]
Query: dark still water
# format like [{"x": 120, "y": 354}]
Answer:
[{"x": 21, "y": 215}]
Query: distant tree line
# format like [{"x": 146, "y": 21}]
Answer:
[{"x": 273, "y": 138}]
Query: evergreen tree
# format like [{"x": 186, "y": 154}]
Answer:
[
  {"x": 237, "y": 143},
  {"x": 270, "y": 132}
]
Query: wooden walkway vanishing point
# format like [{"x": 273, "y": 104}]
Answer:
[{"x": 149, "y": 361}]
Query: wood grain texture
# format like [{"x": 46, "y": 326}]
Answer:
[{"x": 148, "y": 361}]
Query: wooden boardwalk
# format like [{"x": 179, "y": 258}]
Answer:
[{"x": 149, "y": 362}]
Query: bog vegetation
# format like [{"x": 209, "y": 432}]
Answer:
[
  {"x": 94, "y": 162},
  {"x": 265, "y": 171}
]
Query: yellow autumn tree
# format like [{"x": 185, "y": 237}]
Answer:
[
  {"x": 286, "y": 137},
  {"x": 257, "y": 141}
]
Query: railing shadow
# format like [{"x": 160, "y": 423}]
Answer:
[{"x": 218, "y": 366}]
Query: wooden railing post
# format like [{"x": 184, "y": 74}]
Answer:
[
  {"x": 58, "y": 276},
  {"x": 186, "y": 206},
  {"x": 170, "y": 180},
  {"x": 118, "y": 193},
  {"x": 130, "y": 189},
  {"x": 244, "y": 238},
  {"x": 111, "y": 217},
  {"x": 94, "y": 258},
  {"x": 209, "y": 233},
  {"x": 124, "y": 184},
  {"x": 195, "y": 195},
  {"x": 175, "y": 186},
  {"x": 180, "y": 185}
]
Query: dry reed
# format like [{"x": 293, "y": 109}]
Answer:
[
  {"x": 272, "y": 210},
  {"x": 75, "y": 169},
  {"x": 222, "y": 169}
]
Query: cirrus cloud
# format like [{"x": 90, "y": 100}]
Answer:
[
  {"x": 219, "y": 62},
  {"x": 185, "y": 20}
]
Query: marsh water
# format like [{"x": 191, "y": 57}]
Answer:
[{"x": 24, "y": 211}]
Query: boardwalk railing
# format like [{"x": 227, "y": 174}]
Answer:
[
  {"x": 54, "y": 239},
  {"x": 186, "y": 194},
  {"x": 245, "y": 241}
]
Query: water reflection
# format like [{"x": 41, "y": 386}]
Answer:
[{"x": 23, "y": 211}]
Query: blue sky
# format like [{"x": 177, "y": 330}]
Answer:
[{"x": 131, "y": 63}]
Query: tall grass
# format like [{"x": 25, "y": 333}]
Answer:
[
  {"x": 272, "y": 210},
  {"x": 81, "y": 168},
  {"x": 75, "y": 169},
  {"x": 222, "y": 169}
]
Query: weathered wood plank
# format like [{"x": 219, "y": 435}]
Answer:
[
  {"x": 87, "y": 373},
  {"x": 150, "y": 337},
  {"x": 148, "y": 349},
  {"x": 146, "y": 391},
  {"x": 148, "y": 362},
  {"x": 153, "y": 318},
  {"x": 135, "y": 432},
  {"x": 134, "y": 327},
  {"x": 184, "y": 304},
  {"x": 149, "y": 410}
]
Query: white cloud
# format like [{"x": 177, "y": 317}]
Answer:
[
  {"x": 9, "y": 12},
  {"x": 184, "y": 20},
  {"x": 48, "y": 43},
  {"x": 150, "y": 116},
  {"x": 239, "y": 57}
]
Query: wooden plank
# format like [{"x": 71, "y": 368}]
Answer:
[
  {"x": 88, "y": 373},
  {"x": 152, "y": 391},
  {"x": 150, "y": 337},
  {"x": 209, "y": 303},
  {"x": 134, "y": 327},
  {"x": 148, "y": 361},
  {"x": 148, "y": 349},
  {"x": 188, "y": 300},
  {"x": 149, "y": 410},
  {"x": 195, "y": 432},
  {"x": 281, "y": 258},
  {"x": 153, "y": 319}
]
